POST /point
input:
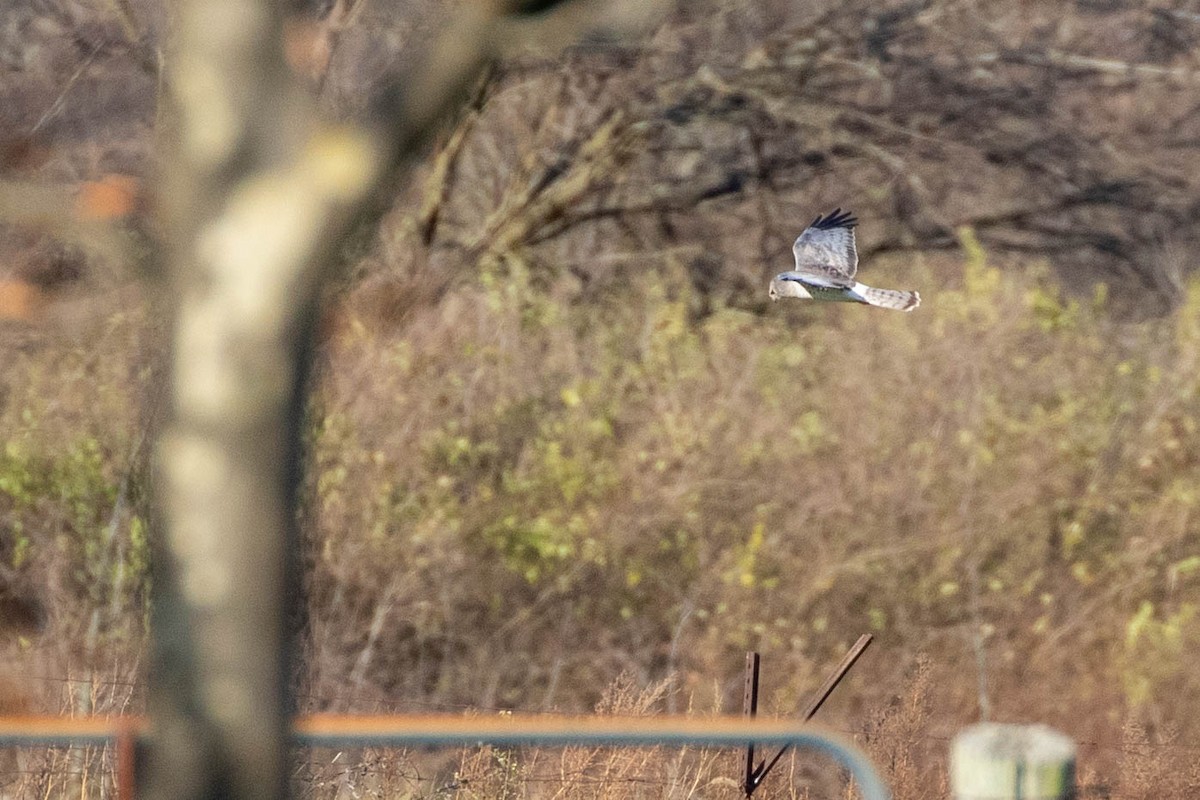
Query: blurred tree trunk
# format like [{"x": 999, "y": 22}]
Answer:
[
  {"x": 257, "y": 196},
  {"x": 241, "y": 208}
]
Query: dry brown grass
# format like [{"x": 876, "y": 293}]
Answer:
[
  {"x": 901, "y": 741},
  {"x": 1155, "y": 765},
  {"x": 897, "y": 737},
  {"x": 599, "y": 773},
  {"x": 895, "y": 499}
]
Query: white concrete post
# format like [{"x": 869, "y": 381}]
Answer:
[{"x": 992, "y": 761}]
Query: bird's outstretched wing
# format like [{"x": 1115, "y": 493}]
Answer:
[{"x": 825, "y": 252}]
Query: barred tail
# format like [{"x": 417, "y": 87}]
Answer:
[{"x": 888, "y": 298}]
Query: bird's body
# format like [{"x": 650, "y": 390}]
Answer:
[{"x": 826, "y": 262}]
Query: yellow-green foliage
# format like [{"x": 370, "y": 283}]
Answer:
[
  {"x": 1155, "y": 650},
  {"x": 572, "y": 478},
  {"x": 74, "y": 492},
  {"x": 70, "y": 488}
]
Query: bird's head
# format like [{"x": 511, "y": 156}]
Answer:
[{"x": 785, "y": 284}]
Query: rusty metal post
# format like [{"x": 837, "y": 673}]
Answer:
[
  {"x": 750, "y": 711},
  {"x": 836, "y": 676},
  {"x": 126, "y": 759},
  {"x": 754, "y": 777}
]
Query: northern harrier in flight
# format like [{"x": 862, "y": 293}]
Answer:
[{"x": 826, "y": 261}]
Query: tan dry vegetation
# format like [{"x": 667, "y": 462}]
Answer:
[
  {"x": 575, "y": 773},
  {"x": 559, "y": 436}
]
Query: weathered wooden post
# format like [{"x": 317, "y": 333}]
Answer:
[{"x": 993, "y": 761}]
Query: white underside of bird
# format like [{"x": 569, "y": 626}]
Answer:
[
  {"x": 826, "y": 261},
  {"x": 792, "y": 284}
]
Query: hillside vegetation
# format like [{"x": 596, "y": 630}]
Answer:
[{"x": 559, "y": 438}]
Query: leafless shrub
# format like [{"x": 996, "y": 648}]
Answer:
[{"x": 898, "y": 738}]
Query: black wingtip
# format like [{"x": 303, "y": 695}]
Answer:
[{"x": 835, "y": 219}]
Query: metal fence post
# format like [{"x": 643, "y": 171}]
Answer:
[{"x": 992, "y": 761}]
